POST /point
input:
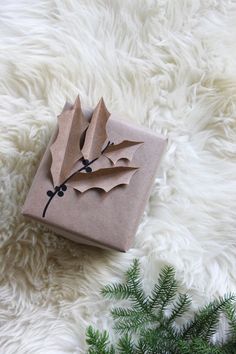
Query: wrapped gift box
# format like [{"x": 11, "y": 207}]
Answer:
[{"x": 95, "y": 177}]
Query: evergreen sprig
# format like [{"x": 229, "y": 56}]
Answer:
[
  {"x": 99, "y": 342},
  {"x": 149, "y": 325}
]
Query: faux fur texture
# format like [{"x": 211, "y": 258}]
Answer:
[{"x": 167, "y": 64}]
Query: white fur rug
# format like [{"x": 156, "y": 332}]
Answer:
[{"x": 169, "y": 65}]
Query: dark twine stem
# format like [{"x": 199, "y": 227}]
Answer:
[{"x": 57, "y": 188}]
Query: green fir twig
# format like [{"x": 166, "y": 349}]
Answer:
[{"x": 146, "y": 327}]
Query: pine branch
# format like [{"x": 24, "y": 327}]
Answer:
[
  {"x": 138, "y": 298},
  {"x": 159, "y": 340},
  {"x": 155, "y": 333},
  {"x": 141, "y": 347},
  {"x": 132, "y": 324},
  {"x": 132, "y": 289},
  {"x": 197, "y": 346},
  {"x": 205, "y": 320},
  {"x": 230, "y": 312},
  {"x": 128, "y": 319},
  {"x": 126, "y": 345},
  {"x": 180, "y": 307},
  {"x": 164, "y": 291},
  {"x": 229, "y": 347},
  {"x": 99, "y": 342},
  {"x": 116, "y": 291}
]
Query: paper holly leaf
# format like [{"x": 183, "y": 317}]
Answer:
[
  {"x": 79, "y": 158},
  {"x": 66, "y": 150},
  {"x": 96, "y": 132},
  {"x": 125, "y": 150},
  {"x": 105, "y": 178},
  {"x": 78, "y": 139}
]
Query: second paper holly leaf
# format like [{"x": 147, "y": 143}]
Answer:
[{"x": 74, "y": 125}]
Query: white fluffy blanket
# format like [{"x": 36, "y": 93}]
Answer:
[{"x": 167, "y": 64}]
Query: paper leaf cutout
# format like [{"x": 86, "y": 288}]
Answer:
[
  {"x": 96, "y": 132},
  {"x": 125, "y": 150},
  {"x": 105, "y": 178},
  {"x": 65, "y": 150}
]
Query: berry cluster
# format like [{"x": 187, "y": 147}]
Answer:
[
  {"x": 59, "y": 190},
  {"x": 86, "y": 163}
]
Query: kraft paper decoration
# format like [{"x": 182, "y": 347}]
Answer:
[{"x": 95, "y": 177}]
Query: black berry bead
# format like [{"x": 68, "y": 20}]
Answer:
[
  {"x": 64, "y": 187},
  {"x": 60, "y": 194},
  {"x": 85, "y": 162},
  {"x": 88, "y": 169},
  {"x": 57, "y": 188},
  {"x": 49, "y": 193}
]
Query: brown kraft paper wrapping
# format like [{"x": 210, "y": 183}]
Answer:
[{"x": 96, "y": 217}]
